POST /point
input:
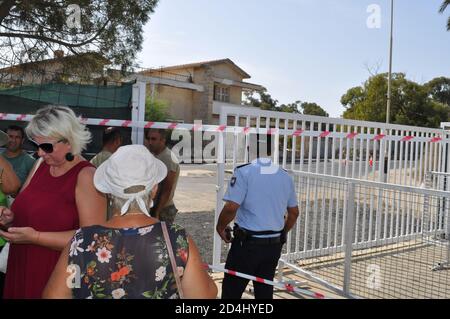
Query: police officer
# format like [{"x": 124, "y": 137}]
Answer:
[{"x": 259, "y": 195}]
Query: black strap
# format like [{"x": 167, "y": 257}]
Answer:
[{"x": 262, "y": 232}]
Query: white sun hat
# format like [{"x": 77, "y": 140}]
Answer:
[{"x": 130, "y": 165}]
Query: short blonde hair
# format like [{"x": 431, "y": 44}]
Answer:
[{"x": 61, "y": 123}]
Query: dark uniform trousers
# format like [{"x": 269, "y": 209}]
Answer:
[{"x": 254, "y": 259}]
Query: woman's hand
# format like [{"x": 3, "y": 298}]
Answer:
[
  {"x": 6, "y": 216},
  {"x": 21, "y": 235}
]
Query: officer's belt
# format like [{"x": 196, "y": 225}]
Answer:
[
  {"x": 248, "y": 236},
  {"x": 255, "y": 232},
  {"x": 264, "y": 240}
]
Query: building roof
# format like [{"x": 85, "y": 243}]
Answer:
[
  {"x": 244, "y": 74},
  {"x": 50, "y": 60}
]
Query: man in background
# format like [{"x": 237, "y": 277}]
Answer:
[
  {"x": 164, "y": 208},
  {"x": 9, "y": 184},
  {"x": 21, "y": 162},
  {"x": 112, "y": 140}
]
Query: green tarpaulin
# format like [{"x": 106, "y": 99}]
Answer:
[{"x": 96, "y": 96}]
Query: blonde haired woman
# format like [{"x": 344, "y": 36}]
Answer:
[{"x": 57, "y": 198}]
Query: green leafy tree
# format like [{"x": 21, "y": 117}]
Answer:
[
  {"x": 290, "y": 108},
  {"x": 313, "y": 109},
  {"x": 411, "y": 104},
  {"x": 439, "y": 90},
  {"x": 156, "y": 110},
  {"x": 33, "y": 30},
  {"x": 444, "y": 6},
  {"x": 266, "y": 102}
]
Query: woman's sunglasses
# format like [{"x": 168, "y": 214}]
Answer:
[{"x": 46, "y": 147}]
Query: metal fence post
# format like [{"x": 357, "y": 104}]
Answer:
[
  {"x": 382, "y": 177},
  {"x": 138, "y": 112},
  {"x": 447, "y": 229},
  {"x": 349, "y": 236},
  {"x": 221, "y": 155}
]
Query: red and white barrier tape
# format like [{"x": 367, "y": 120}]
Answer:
[
  {"x": 281, "y": 285},
  {"x": 237, "y": 129}
]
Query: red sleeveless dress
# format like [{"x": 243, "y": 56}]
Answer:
[{"x": 48, "y": 205}]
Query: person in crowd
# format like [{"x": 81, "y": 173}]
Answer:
[
  {"x": 9, "y": 184},
  {"x": 165, "y": 208},
  {"x": 112, "y": 140},
  {"x": 261, "y": 196},
  {"x": 56, "y": 199},
  {"x": 21, "y": 162},
  {"x": 130, "y": 255}
]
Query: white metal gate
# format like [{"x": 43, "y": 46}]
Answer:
[{"x": 394, "y": 154}]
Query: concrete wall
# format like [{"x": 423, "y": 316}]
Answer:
[
  {"x": 225, "y": 71},
  {"x": 202, "y": 104},
  {"x": 188, "y": 105},
  {"x": 179, "y": 101},
  {"x": 235, "y": 95}
]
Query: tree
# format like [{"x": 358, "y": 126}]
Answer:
[
  {"x": 32, "y": 30},
  {"x": 290, "y": 108},
  {"x": 313, "y": 109},
  {"x": 266, "y": 102},
  {"x": 412, "y": 103},
  {"x": 156, "y": 110},
  {"x": 444, "y": 6},
  {"x": 439, "y": 90}
]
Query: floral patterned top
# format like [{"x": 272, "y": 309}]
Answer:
[{"x": 130, "y": 263}]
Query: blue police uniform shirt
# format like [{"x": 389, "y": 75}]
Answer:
[{"x": 264, "y": 191}]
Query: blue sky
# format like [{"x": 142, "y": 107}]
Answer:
[{"x": 306, "y": 50}]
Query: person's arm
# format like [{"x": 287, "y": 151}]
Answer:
[
  {"x": 196, "y": 283},
  {"x": 10, "y": 183},
  {"x": 226, "y": 216},
  {"x": 28, "y": 235},
  {"x": 166, "y": 189},
  {"x": 292, "y": 215},
  {"x": 91, "y": 206},
  {"x": 292, "y": 208},
  {"x": 57, "y": 287},
  {"x": 6, "y": 216},
  {"x": 234, "y": 197}
]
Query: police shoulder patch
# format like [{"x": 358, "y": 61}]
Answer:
[
  {"x": 242, "y": 165},
  {"x": 233, "y": 181}
]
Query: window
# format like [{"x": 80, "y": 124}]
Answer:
[{"x": 221, "y": 93}]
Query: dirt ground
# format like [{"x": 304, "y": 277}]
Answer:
[
  {"x": 195, "y": 198},
  {"x": 200, "y": 225}
]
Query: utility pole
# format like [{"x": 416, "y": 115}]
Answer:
[
  {"x": 385, "y": 167},
  {"x": 388, "y": 109}
]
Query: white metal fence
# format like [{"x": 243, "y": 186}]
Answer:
[
  {"x": 362, "y": 150},
  {"x": 388, "y": 156},
  {"x": 339, "y": 239}
]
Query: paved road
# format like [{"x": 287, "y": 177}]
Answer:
[{"x": 196, "y": 189}]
